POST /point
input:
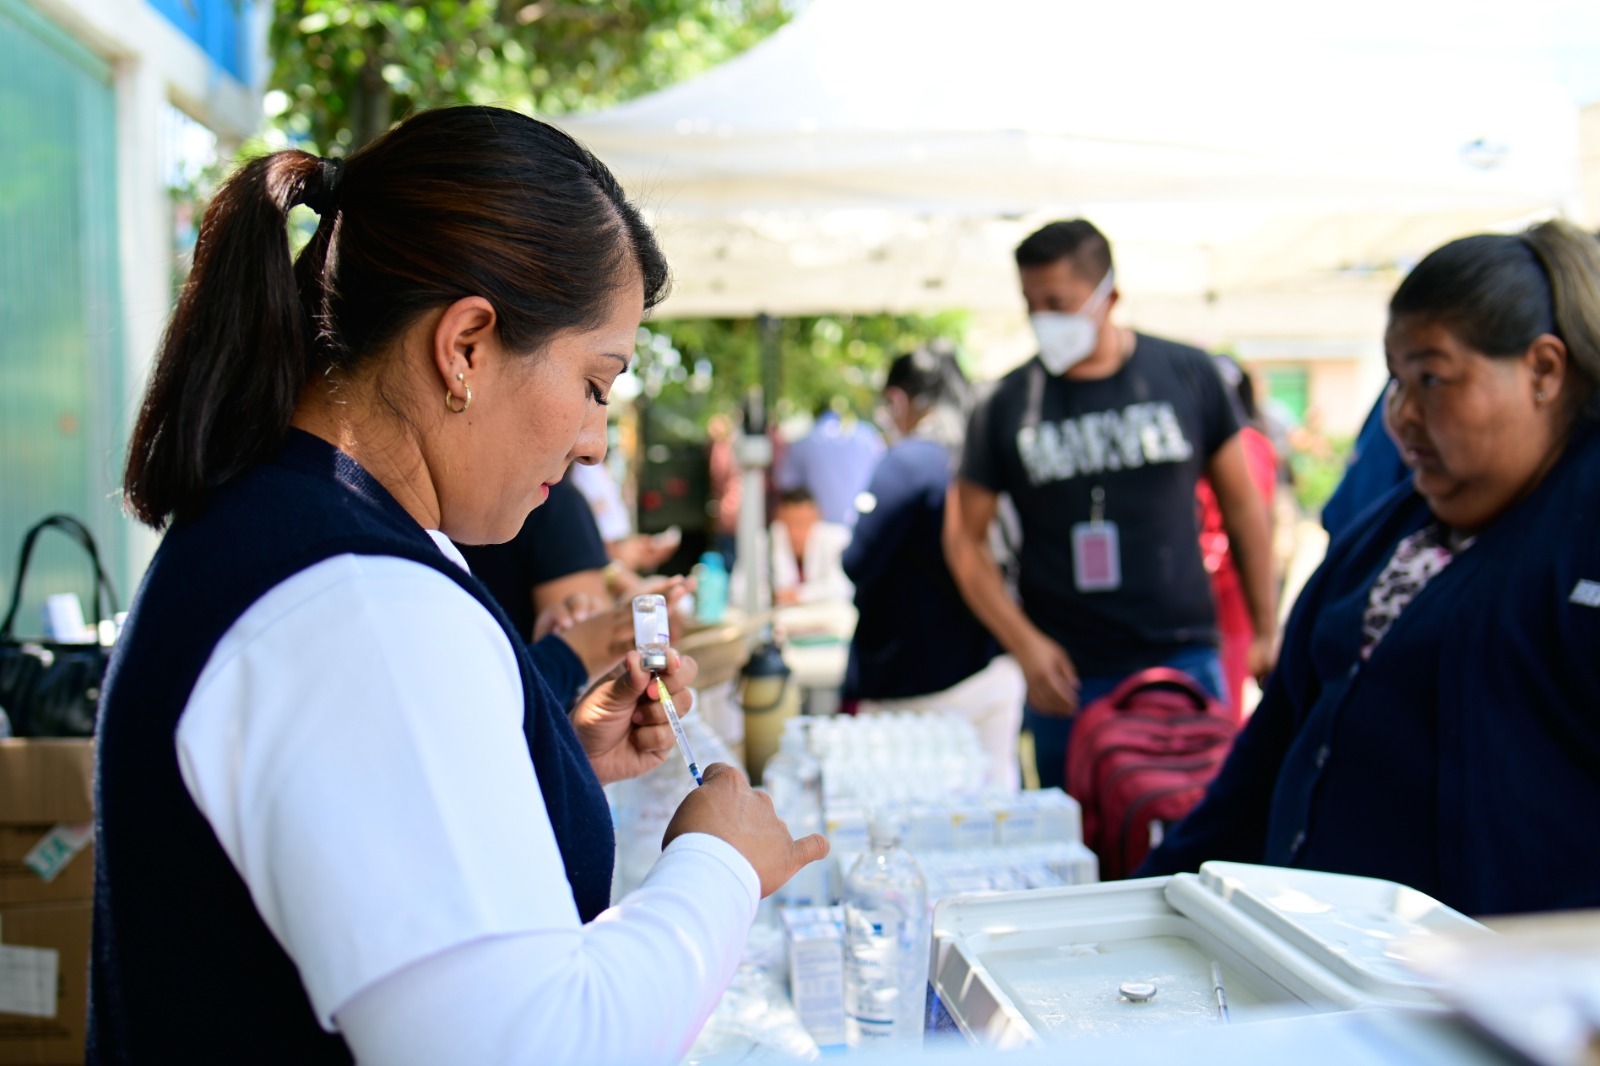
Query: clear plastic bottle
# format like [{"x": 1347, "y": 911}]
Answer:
[
  {"x": 886, "y": 943},
  {"x": 711, "y": 588},
  {"x": 778, "y": 777},
  {"x": 794, "y": 778}
]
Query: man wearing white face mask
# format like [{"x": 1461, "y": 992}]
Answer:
[{"x": 1099, "y": 441}]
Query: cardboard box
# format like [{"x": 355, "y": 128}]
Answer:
[
  {"x": 39, "y": 943},
  {"x": 46, "y": 813}
]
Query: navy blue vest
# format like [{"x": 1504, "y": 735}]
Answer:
[
  {"x": 1463, "y": 757},
  {"x": 183, "y": 968}
]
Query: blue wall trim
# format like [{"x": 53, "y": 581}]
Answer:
[{"x": 219, "y": 27}]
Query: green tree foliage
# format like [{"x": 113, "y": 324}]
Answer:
[
  {"x": 696, "y": 366},
  {"x": 349, "y": 70},
  {"x": 1318, "y": 464}
]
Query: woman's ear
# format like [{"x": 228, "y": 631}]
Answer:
[
  {"x": 1546, "y": 360},
  {"x": 460, "y": 339}
]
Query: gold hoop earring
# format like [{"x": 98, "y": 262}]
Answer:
[{"x": 450, "y": 396}]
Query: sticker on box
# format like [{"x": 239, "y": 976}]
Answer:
[{"x": 57, "y": 848}]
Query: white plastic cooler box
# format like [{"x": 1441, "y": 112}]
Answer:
[{"x": 1039, "y": 967}]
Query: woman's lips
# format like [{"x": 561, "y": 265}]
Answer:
[{"x": 1416, "y": 455}]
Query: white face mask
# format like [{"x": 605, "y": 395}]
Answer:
[{"x": 1065, "y": 340}]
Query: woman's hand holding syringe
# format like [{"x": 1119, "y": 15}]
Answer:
[{"x": 724, "y": 806}]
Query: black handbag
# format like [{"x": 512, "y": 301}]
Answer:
[{"x": 51, "y": 688}]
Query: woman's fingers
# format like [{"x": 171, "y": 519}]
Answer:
[
  {"x": 654, "y": 712},
  {"x": 679, "y": 675},
  {"x": 654, "y": 738},
  {"x": 726, "y": 806},
  {"x": 809, "y": 849}
]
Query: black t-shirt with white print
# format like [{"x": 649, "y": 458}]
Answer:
[{"x": 1143, "y": 436}]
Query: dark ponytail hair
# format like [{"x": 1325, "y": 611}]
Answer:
[
  {"x": 456, "y": 202},
  {"x": 1498, "y": 293}
]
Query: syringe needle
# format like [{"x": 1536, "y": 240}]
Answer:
[{"x": 677, "y": 728}]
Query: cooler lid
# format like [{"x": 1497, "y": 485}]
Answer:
[{"x": 1361, "y": 929}]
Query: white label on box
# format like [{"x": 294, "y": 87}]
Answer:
[
  {"x": 973, "y": 826},
  {"x": 57, "y": 848},
  {"x": 816, "y": 970},
  {"x": 28, "y": 981}
]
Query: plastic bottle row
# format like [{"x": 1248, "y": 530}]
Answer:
[
  {"x": 895, "y": 757},
  {"x": 962, "y": 822}
]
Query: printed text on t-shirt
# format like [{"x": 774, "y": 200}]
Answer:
[{"x": 1138, "y": 434}]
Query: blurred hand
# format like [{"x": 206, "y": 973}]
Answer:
[
  {"x": 1052, "y": 679},
  {"x": 622, "y": 725},
  {"x": 1263, "y": 655},
  {"x": 725, "y": 806},
  {"x": 601, "y": 640},
  {"x": 642, "y": 553},
  {"x": 674, "y": 588},
  {"x": 564, "y": 614},
  {"x": 622, "y": 582}
]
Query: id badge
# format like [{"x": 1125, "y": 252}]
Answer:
[{"x": 1096, "y": 558}]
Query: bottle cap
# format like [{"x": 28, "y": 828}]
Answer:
[{"x": 883, "y": 828}]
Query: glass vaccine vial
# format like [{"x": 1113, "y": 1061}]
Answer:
[{"x": 651, "y": 633}]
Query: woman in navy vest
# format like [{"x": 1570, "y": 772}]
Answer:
[
  {"x": 339, "y": 813},
  {"x": 1433, "y": 719}
]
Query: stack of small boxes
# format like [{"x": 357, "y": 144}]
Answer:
[{"x": 983, "y": 842}]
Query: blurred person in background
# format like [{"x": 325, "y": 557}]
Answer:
[
  {"x": 640, "y": 553},
  {"x": 1100, "y": 440},
  {"x": 806, "y": 554},
  {"x": 1235, "y": 629},
  {"x": 1432, "y": 718},
  {"x": 381, "y": 838},
  {"x": 727, "y": 486},
  {"x": 832, "y": 462},
  {"x": 917, "y": 646}
]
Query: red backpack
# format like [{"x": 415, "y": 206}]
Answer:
[{"x": 1144, "y": 754}]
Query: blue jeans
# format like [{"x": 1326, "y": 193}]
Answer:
[{"x": 1051, "y": 734}]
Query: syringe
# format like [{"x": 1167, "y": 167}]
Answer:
[{"x": 652, "y": 635}]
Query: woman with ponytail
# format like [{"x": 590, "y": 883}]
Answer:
[
  {"x": 1432, "y": 718},
  {"x": 340, "y": 815}
]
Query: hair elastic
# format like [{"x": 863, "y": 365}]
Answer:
[{"x": 326, "y": 197}]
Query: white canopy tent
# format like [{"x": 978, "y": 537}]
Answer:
[{"x": 888, "y": 154}]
